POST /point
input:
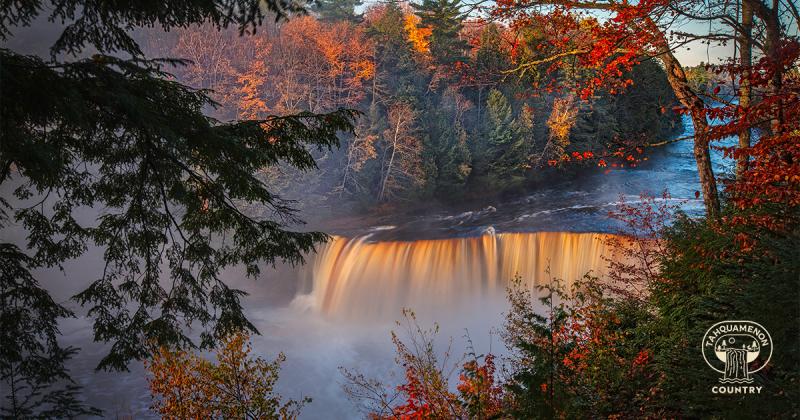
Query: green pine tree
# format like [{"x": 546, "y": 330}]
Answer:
[
  {"x": 445, "y": 18},
  {"x": 338, "y": 10},
  {"x": 508, "y": 139},
  {"x": 121, "y": 134},
  {"x": 397, "y": 74},
  {"x": 490, "y": 59},
  {"x": 456, "y": 160},
  {"x": 35, "y": 381}
]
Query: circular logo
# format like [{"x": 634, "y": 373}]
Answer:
[{"x": 737, "y": 349}]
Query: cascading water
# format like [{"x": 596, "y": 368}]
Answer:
[
  {"x": 356, "y": 278},
  {"x": 357, "y": 286}
]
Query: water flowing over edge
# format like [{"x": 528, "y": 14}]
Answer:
[{"x": 355, "y": 278}]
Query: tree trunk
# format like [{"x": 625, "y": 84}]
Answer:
[
  {"x": 347, "y": 167},
  {"x": 772, "y": 44},
  {"x": 773, "y": 26},
  {"x": 382, "y": 194},
  {"x": 688, "y": 98},
  {"x": 702, "y": 157},
  {"x": 745, "y": 90}
]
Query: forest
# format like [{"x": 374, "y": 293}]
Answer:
[
  {"x": 442, "y": 113},
  {"x": 611, "y": 228}
]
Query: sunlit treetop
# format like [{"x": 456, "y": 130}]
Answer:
[{"x": 561, "y": 37}]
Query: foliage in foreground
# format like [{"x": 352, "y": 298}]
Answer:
[
  {"x": 238, "y": 385},
  {"x": 599, "y": 348},
  {"x": 35, "y": 381},
  {"x": 425, "y": 391},
  {"x": 110, "y": 151},
  {"x": 616, "y": 351}
]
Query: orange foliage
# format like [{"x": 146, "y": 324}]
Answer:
[
  {"x": 562, "y": 119},
  {"x": 252, "y": 103},
  {"x": 419, "y": 36},
  {"x": 768, "y": 191},
  {"x": 404, "y": 166},
  {"x": 184, "y": 385},
  {"x": 480, "y": 392},
  {"x": 425, "y": 392},
  {"x": 602, "y": 50},
  {"x": 302, "y": 65}
]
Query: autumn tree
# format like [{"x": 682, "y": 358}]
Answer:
[
  {"x": 575, "y": 351},
  {"x": 360, "y": 150},
  {"x": 401, "y": 156},
  {"x": 419, "y": 36},
  {"x": 397, "y": 71},
  {"x": 425, "y": 389},
  {"x": 632, "y": 32},
  {"x": 252, "y": 92},
  {"x": 238, "y": 385},
  {"x": 562, "y": 119},
  {"x": 318, "y": 65},
  {"x": 302, "y": 64},
  {"x": 730, "y": 267},
  {"x": 209, "y": 65}
]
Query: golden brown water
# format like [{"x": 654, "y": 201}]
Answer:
[{"x": 355, "y": 278}]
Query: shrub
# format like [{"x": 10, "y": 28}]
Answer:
[{"x": 184, "y": 385}]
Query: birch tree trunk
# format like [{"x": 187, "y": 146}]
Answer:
[
  {"x": 745, "y": 90},
  {"x": 389, "y": 167},
  {"x": 702, "y": 155}
]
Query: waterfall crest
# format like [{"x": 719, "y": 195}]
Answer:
[{"x": 356, "y": 278}]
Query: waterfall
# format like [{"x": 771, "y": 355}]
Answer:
[
  {"x": 736, "y": 366},
  {"x": 356, "y": 278}
]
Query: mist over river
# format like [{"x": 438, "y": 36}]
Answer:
[{"x": 449, "y": 266}]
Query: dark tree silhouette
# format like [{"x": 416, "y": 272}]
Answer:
[{"x": 115, "y": 131}]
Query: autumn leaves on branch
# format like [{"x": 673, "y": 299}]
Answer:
[{"x": 636, "y": 31}]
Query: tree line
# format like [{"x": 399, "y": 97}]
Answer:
[{"x": 441, "y": 112}]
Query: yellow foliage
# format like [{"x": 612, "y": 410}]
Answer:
[
  {"x": 364, "y": 69},
  {"x": 184, "y": 385},
  {"x": 418, "y": 35},
  {"x": 251, "y": 84},
  {"x": 562, "y": 119}
]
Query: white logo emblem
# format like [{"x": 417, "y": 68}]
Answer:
[{"x": 737, "y": 349}]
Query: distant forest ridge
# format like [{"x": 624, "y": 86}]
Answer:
[{"x": 442, "y": 114}]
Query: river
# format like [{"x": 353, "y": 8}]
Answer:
[{"x": 450, "y": 266}]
